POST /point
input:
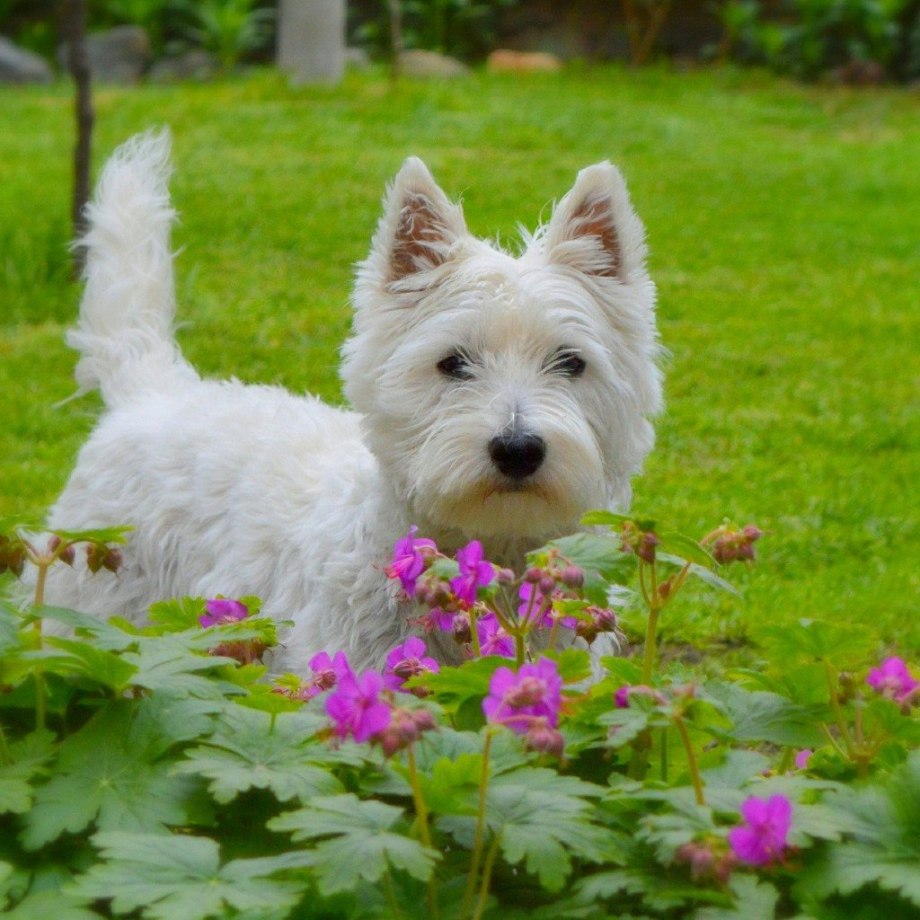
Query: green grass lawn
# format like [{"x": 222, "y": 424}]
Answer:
[{"x": 783, "y": 229}]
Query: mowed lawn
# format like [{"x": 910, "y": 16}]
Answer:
[{"x": 783, "y": 225}]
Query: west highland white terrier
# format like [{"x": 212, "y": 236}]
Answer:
[{"x": 495, "y": 397}]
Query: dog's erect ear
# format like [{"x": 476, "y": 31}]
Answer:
[
  {"x": 595, "y": 229},
  {"x": 419, "y": 224}
]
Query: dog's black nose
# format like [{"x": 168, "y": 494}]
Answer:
[{"x": 517, "y": 455}]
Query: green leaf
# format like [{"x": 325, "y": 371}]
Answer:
[
  {"x": 29, "y": 757},
  {"x": 883, "y": 848},
  {"x": 599, "y": 553},
  {"x": 762, "y": 716},
  {"x": 843, "y": 646},
  {"x": 685, "y": 548},
  {"x": 177, "y": 614},
  {"x": 177, "y": 877},
  {"x": 702, "y": 572},
  {"x": 45, "y": 905},
  {"x": 626, "y": 724},
  {"x": 573, "y": 664},
  {"x": 754, "y": 900},
  {"x": 355, "y": 840},
  {"x": 542, "y": 819},
  {"x": 104, "y": 634},
  {"x": 251, "y": 750},
  {"x": 165, "y": 664},
  {"x": 452, "y": 687},
  {"x": 453, "y": 786},
  {"x": 81, "y": 659},
  {"x": 600, "y": 518},
  {"x": 10, "y": 622},
  {"x": 103, "y": 776}
]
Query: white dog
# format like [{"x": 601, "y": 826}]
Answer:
[{"x": 497, "y": 397}]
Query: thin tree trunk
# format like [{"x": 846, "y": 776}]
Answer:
[{"x": 78, "y": 64}]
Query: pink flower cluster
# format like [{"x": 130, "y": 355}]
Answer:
[
  {"x": 455, "y": 603},
  {"x": 894, "y": 681},
  {"x": 528, "y": 702},
  {"x": 361, "y": 706}
]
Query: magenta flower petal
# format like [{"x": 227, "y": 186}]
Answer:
[
  {"x": 516, "y": 700},
  {"x": 893, "y": 680},
  {"x": 220, "y": 610},
  {"x": 475, "y": 572},
  {"x": 408, "y": 660},
  {"x": 761, "y": 840},
  {"x": 493, "y": 640},
  {"x": 408, "y": 563},
  {"x": 355, "y": 707},
  {"x": 326, "y": 672}
]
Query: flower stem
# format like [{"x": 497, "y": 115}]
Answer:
[
  {"x": 486, "y": 878},
  {"x": 476, "y": 856},
  {"x": 692, "y": 764},
  {"x": 648, "y": 658},
  {"x": 474, "y": 633},
  {"x": 838, "y": 712},
  {"x": 421, "y": 813},
  {"x": 395, "y": 910}
]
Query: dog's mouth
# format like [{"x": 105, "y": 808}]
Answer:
[{"x": 527, "y": 486}]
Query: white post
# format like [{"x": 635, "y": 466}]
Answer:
[{"x": 311, "y": 40}]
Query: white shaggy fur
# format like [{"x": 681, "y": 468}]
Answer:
[{"x": 236, "y": 490}]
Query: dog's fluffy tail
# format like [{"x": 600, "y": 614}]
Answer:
[{"x": 125, "y": 330}]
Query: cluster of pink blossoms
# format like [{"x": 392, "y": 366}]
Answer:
[
  {"x": 528, "y": 702},
  {"x": 456, "y": 602},
  {"x": 363, "y": 706},
  {"x": 894, "y": 681}
]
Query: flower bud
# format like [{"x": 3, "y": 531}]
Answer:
[
  {"x": 544, "y": 739},
  {"x": 113, "y": 560},
  {"x": 533, "y": 575},
  {"x": 504, "y": 576},
  {"x": 646, "y": 548},
  {"x": 572, "y": 576},
  {"x": 461, "y": 629},
  {"x": 405, "y": 727},
  {"x": 546, "y": 585},
  {"x": 12, "y": 555}
]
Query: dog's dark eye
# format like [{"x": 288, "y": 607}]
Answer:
[
  {"x": 568, "y": 363},
  {"x": 455, "y": 366}
]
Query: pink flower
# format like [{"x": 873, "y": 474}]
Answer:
[
  {"x": 623, "y": 694},
  {"x": 516, "y": 700},
  {"x": 802, "y": 758},
  {"x": 221, "y": 610},
  {"x": 493, "y": 640},
  {"x": 326, "y": 672},
  {"x": 537, "y": 606},
  {"x": 893, "y": 680},
  {"x": 475, "y": 572},
  {"x": 407, "y": 661},
  {"x": 408, "y": 563},
  {"x": 355, "y": 707},
  {"x": 761, "y": 840}
]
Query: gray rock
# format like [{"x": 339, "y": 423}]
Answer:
[
  {"x": 417, "y": 63},
  {"x": 119, "y": 55},
  {"x": 194, "y": 64},
  {"x": 20, "y": 66}
]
